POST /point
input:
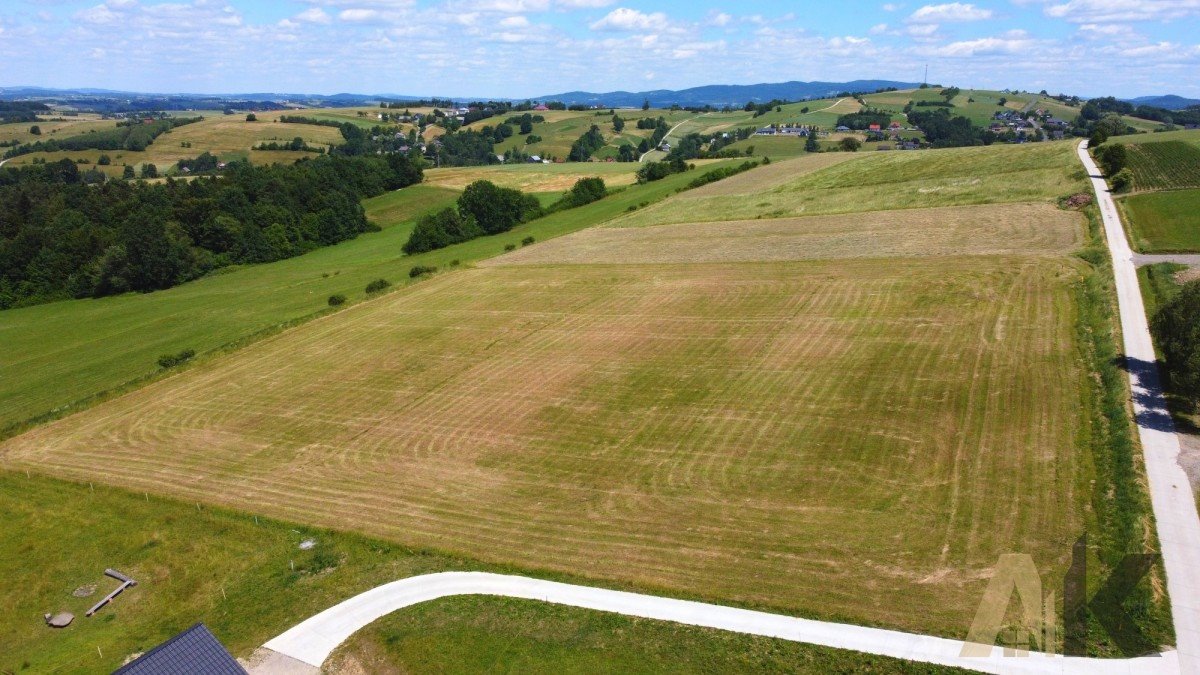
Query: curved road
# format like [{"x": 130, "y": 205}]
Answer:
[
  {"x": 311, "y": 641},
  {"x": 1170, "y": 492}
]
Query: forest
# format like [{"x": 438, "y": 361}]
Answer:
[{"x": 61, "y": 238}]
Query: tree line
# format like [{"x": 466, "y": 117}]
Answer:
[
  {"x": 133, "y": 135},
  {"x": 61, "y": 238}
]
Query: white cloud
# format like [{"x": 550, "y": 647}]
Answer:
[
  {"x": 623, "y": 18},
  {"x": 922, "y": 30},
  {"x": 510, "y": 6},
  {"x": 358, "y": 15},
  {"x": 1013, "y": 42},
  {"x": 313, "y": 15},
  {"x": 950, "y": 12},
  {"x": 719, "y": 19},
  {"x": 878, "y": 29},
  {"x": 514, "y": 22},
  {"x": 891, "y": 7},
  {"x": 1106, "y": 11}
]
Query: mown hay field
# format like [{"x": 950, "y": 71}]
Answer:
[
  {"x": 52, "y": 126},
  {"x": 227, "y": 136},
  {"x": 1034, "y": 229},
  {"x": 884, "y": 181},
  {"x": 843, "y": 439},
  {"x": 61, "y": 355},
  {"x": 534, "y": 177}
]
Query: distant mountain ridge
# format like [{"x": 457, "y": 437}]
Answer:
[
  {"x": 713, "y": 94},
  {"x": 725, "y": 94},
  {"x": 1168, "y": 101}
]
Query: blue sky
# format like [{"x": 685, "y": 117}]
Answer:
[{"x": 517, "y": 48}]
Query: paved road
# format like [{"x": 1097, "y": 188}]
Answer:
[
  {"x": 1170, "y": 492},
  {"x": 312, "y": 641},
  {"x": 1190, "y": 259}
]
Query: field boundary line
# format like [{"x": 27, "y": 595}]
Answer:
[
  {"x": 313, "y": 640},
  {"x": 1170, "y": 490}
]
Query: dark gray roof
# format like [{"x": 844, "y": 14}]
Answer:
[{"x": 195, "y": 651}]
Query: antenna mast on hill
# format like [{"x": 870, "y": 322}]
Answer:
[{"x": 926, "y": 80}]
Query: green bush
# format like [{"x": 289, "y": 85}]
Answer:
[
  {"x": 337, "y": 300},
  {"x": 585, "y": 191},
  {"x": 378, "y": 285},
  {"x": 172, "y": 360},
  {"x": 1122, "y": 181},
  {"x": 510, "y": 247},
  {"x": 527, "y": 241},
  {"x": 421, "y": 270}
]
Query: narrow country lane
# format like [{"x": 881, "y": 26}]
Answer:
[{"x": 1170, "y": 492}]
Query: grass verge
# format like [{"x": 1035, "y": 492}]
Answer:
[
  {"x": 485, "y": 634},
  {"x": 1121, "y": 517}
]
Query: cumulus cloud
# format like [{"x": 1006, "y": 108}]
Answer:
[
  {"x": 719, "y": 19},
  {"x": 1106, "y": 11},
  {"x": 358, "y": 15},
  {"x": 625, "y": 19},
  {"x": 950, "y": 12},
  {"x": 1013, "y": 42},
  {"x": 313, "y": 15}
]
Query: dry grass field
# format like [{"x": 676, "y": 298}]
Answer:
[
  {"x": 534, "y": 177},
  {"x": 765, "y": 178},
  {"x": 1034, "y": 229},
  {"x": 227, "y": 136},
  {"x": 844, "y": 439},
  {"x": 58, "y": 128},
  {"x": 841, "y": 416},
  {"x": 884, "y": 181}
]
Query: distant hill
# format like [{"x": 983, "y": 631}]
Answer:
[
  {"x": 725, "y": 94},
  {"x": 1169, "y": 101}
]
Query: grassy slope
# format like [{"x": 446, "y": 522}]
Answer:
[
  {"x": 894, "y": 180},
  {"x": 1191, "y": 136},
  {"x": 503, "y": 290},
  {"x": 58, "y": 354},
  {"x": 534, "y": 177},
  {"x": 502, "y": 635},
  {"x": 227, "y": 136},
  {"x": 235, "y": 573},
  {"x": 60, "y": 536}
]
